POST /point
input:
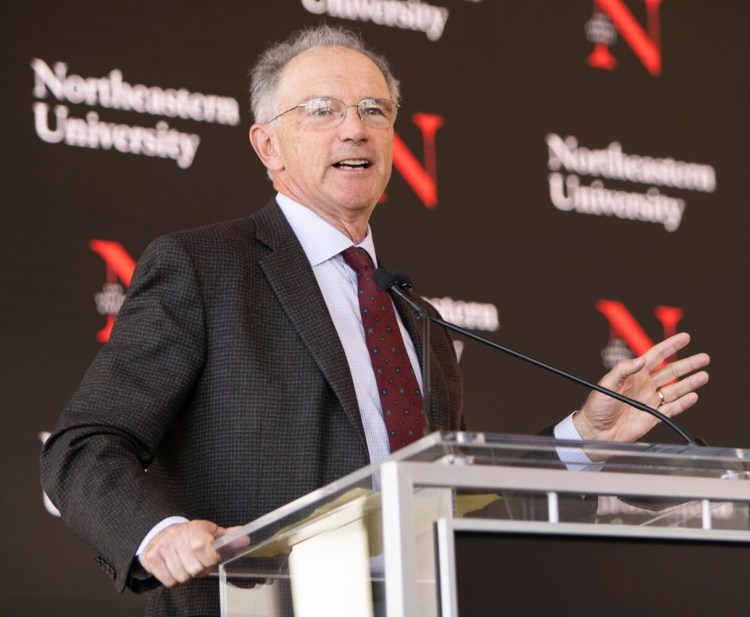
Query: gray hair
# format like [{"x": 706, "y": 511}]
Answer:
[{"x": 265, "y": 75}]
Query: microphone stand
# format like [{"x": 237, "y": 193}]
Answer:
[{"x": 395, "y": 282}]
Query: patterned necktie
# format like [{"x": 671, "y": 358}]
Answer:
[{"x": 397, "y": 385}]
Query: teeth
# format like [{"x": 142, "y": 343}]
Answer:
[{"x": 353, "y": 163}]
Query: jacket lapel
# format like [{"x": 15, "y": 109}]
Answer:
[{"x": 289, "y": 273}]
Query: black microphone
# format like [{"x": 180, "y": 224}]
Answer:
[
  {"x": 400, "y": 284},
  {"x": 403, "y": 280}
]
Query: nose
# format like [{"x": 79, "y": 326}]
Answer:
[{"x": 351, "y": 126}]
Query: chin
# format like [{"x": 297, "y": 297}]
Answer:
[{"x": 358, "y": 201}]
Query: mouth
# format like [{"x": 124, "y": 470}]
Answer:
[{"x": 353, "y": 164}]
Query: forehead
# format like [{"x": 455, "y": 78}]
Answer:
[{"x": 331, "y": 71}]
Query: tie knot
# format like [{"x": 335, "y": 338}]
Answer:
[{"x": 357, "y": 258}]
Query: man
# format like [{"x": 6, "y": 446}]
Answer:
[{"x": 238, "y": 372}]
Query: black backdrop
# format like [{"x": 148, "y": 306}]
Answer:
[{"x": 487, "y": 228}]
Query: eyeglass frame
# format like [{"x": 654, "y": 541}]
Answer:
[{"x": 343, "y": 114}]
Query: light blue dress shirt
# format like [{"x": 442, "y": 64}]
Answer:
[{"x": 323, "y": 245}]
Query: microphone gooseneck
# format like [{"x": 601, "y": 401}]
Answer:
[{"x": 399, "y": 283}]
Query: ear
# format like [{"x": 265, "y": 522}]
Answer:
[{"x": 263, "y": 141}]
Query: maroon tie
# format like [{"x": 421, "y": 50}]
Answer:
[{"x": 394, "y": 374}]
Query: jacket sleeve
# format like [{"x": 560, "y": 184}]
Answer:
[{"x": 94, "y": 465}]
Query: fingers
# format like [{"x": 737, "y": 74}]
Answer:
[
  {"x": 221, "y": 531},
  {"x": 241, "y": 541},
  {"x": 621, "y": 371},
  {"x": 653, "y": 360},
  {"x": 681, "y": 394},
  {"x": 665, "y": 349},
  {"x": 678, "y": 369},
  {"x": 679, "y": 380},
  {"x": 678, "y": 406},
  {"x": 181, "y": 552},
  {"x": 642, "y": 379}
]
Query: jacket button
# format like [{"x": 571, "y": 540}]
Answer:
[{"x": 106, "y": 567}]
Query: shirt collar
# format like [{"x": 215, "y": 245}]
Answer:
[{"x": 319, "y": 239}]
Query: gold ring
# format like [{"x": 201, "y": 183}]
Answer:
[{"x": 661, "y": 396}]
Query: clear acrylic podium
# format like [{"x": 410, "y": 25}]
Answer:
[{"x": 393, "y": 538}]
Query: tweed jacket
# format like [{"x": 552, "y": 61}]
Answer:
[{"x": 223, "y": 393}]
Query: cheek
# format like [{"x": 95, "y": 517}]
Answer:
[
  {"x": 388, "y": 165},
  {"x": 311, "y": 157},
  {"x": 299, "y": 150},
  {"x": 386, "y": 147}
]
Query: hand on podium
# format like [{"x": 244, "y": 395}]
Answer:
[
  {"x": 670, "y": 387},
  {"x": 183, "y": 551}
]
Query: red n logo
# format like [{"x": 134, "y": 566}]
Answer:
[
  {"x": 120, "y": 266},
  {"x": 421, "y": 178},
  {"x": 625, "y": 326},
  {"x": 646, "y": 46}
]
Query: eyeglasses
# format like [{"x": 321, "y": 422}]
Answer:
[{"x": 324, "y": 111}]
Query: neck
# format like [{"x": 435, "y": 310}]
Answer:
[
  {"x": 352, "y": 223},
  {"x": 356, "y": 232}
]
